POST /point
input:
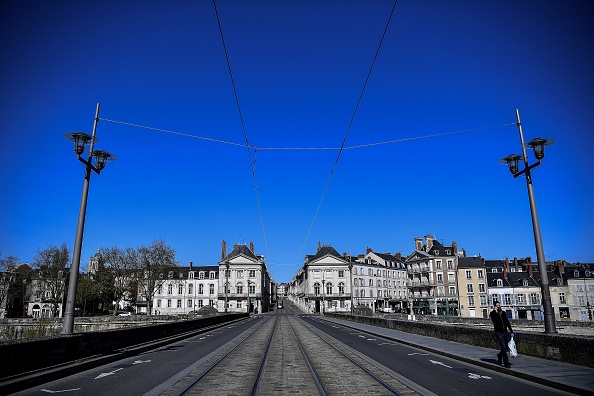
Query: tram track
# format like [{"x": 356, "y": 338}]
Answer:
[{"x": 283, "y": 354}]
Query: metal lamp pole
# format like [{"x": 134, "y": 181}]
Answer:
[
  {"x": 512, "y": 161},
  {"x": 81, "y": 139}
]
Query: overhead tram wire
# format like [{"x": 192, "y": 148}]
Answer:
[
  {"x": 359, "y": 146},
  {"x": 247, "y": 142},
  {"x": 347, "y": 132}
]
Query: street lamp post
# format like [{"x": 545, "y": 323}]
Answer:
[
  {"x": 537, "y": 145},
  {"x": 80, "y": 140},
  {"x": 249, "y": 282},
  {"x": 323, "y": 296},
  {"x": 226, "y": 284},
  {"x": 351, "y": 286}
]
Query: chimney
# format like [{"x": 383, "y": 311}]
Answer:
[
  {"x": 368, "y": 250},
  {"x": 530, "y": 271},
  {"x": 418, "y": 243},
  {"x": 429, "y": 243},
  {"x": 319, "y": 246},
  {"x": 345, "y": 256},
  {"x": 252, "y": 246},
  {"x": 190, "y": 266},
  {"x": 398, "y": 256},
  {"x": 360, "y": 256},
  {"x": 516, "y": 264},
  {"x": 529, "y": 259},
  {"x": 224, "y": 250},
  {"x": 505, "y": 269},
  {"x": 455, "y": 247}
]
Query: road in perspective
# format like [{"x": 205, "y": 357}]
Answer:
[{"x": 289, "y": 352}]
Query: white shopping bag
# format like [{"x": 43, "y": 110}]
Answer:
[{"x": 513, "y": 352}]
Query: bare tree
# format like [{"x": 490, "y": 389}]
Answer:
[
  {"x": 50, "y": 264},
  {"x": 122, "y": 264},
  {"x": 155, "y": 259},
  {"x": 7, "y": 279}
]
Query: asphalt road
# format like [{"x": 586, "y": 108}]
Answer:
[
  {"x": 146, "y": 372},
  {"x": 436, "y": 373}
]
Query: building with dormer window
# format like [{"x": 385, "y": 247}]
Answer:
[{"x": 244, "y": 279}]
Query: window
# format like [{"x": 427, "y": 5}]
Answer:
[
  {"x": 482, "y": 288},
  {"x": 190, "y": 303},
  {"x": 562, "y": 298},
  {"x": 240, "y": 273},
  {"x": 471, "y": 301},
  {"x": 168, "y": 303},
  {"x": 200, "y": 289},
  {"x": 240, "y": 288},
  {"x": 200, "y": 303},
  {"x": 525, "y": 282},
  {"x": 227, "y": 273},
  {"x": 341, "y": 288},
  {"x": 370, "y": 282},
  {"x": 252, "y": 288},
  {"x": 212, "y": 275},
  {"x": 316, "y": 289},
  {"x": 180, "y": 289},
  {"x": 328, "y": 274},
  {"x": 211, "y": 289},
  {"x": 499, "y": 283},
  {"x": 581, "y": 300},
  {"x": 483, "y": 301},
  {"x": 507, "y": 299},
  {"x": 452, "y": 291},
  {"x": 379, "y": 283},
  {"x": 439, "y": 278},
  {"x": 451, "y": 278},
  {"x": 252, "y": 273},
  {"x": 316, "y": 274},
  {"x": 191, "y": 275},
  {"x": 450, "y": 264},
  {"x": 190, "y": 288},
  {"x": 438, "y": 264},
  {"x": 576, "y": 273},
  {"x": 160, "y": 289},
  {"x": 179, "y": 303},
  {"x": 587, "y": 274},
  {"x": 480, "y": 274},
  {"x": 579, "y": 288},
  {"x": 328, "y": 288},
  {"x": 468, "y": 274},
  {"x": 534, "y": 299},
  {"x": 341, "y": 273},
  {"x": 170, "y": 289},
  {"x": 159, "y": 303},
  {"x": 469, "y": 288},
  {"x": 201, "y": 275},
  {"x": 170, "y": 275},
  {"x": 521, "y": 299}
]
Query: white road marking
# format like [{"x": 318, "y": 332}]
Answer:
[
  {"x": 59, "y": 391},
  {"x": 436, "y": 362},
  {"x": 477, "y": 376},
  {"x": 110, "y": 373},
  {"x": 141, "y": 361},
  {"x": 418, "y": 353}
]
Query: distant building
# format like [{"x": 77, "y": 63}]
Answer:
[
  {"x": 184, "y": 290},
  {"x": 472, "y": 286},
  {"x": 244, "y": 279}
]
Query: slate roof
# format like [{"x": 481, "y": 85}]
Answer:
[
  {"x": 241, "y": 250},
  {"x": 439, "y": 250},
  {"x": 570, "y": 270},
  {"x": 324, "y": 250},
  {"x": 471, "y": 262},
  {"x": 492, "y": 279}
]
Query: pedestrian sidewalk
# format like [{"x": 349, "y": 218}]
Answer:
[{"x": 564, "y": 376}]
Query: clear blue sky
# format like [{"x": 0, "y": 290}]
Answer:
[{"x": 299, "y": 68}]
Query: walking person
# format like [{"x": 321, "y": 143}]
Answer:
[{"x": 501, "y": 324}]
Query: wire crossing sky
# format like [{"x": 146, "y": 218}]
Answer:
[{"x": 417, "y": 126}]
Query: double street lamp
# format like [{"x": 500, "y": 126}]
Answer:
[
  {"x": 512, "y": 161},
  {"x": 101, "y": 157}
]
